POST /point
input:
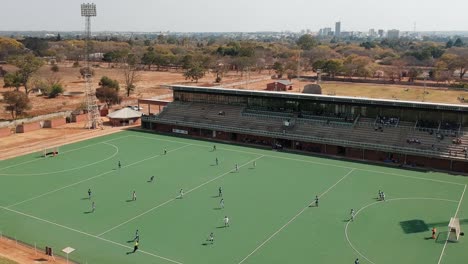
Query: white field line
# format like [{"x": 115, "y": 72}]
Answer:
[
  {"x": 64, "y": 152},
  {"x": 67, "y": 170},
  {"x": 94, "y": 177},
  {"x": 86, "y": 234},
  {"x": 315, "y": 162},
  {"x": 173, "y": 199},
  {"x": 292, "y": 219},
  {"x": 379, "y": 202},
  {"x": 446, "y": 240}
]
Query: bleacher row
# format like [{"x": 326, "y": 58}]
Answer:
[{"x": 364, "y": 130}]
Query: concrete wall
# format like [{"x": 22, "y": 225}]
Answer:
[
  {"x": 54, "y": 123},
  {"x": 5, "y": 131},
  {"x": 79, "y": 118}
]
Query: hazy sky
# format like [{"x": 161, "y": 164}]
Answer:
[{"x": 235, "y": 15}]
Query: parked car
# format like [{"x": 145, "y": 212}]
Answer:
[{"x": 135, "y": 107}]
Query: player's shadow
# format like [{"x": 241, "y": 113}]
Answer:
[
  {"x": 87, "y": 212},
  {"x": 221, "y": 226},
  {"x": 85, "y": 198},
  {"x": 215, "y": 196},
  {"x": 130, "y": 200},
  {"x": 130, "y": 252},
  {"x": 217, "y": 208}
]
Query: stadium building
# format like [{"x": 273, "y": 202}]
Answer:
[{"x": 402, "y": 133}]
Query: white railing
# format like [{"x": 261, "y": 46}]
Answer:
[{"x": 292, "y": 136}]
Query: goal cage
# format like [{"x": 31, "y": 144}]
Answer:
[
  {"x": 454, "y": 229},
  {"x": 50, "y": 152}
]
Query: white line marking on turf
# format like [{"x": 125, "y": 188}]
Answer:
[
  {"x": 62, "y": 153},
  {"x": 380, "y": 202},
  {"x": 315, "y": 162},
  {"x": 173, "y": 199},
  {"x": 67, "y": 170},
  {"x": 292, "y": 219},
  {"x": 87, "y": 234},
  {"x": 94, "y": 177},
  {"x": 456, "y": 213}
]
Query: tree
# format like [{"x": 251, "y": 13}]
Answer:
[
  {"x": 306, "y": 42},
  {"x": 449, "y": 44},
  {"x": 9, "y": 47},
  {"x": 130, "y": 72},
  {"x": 12, "y": 80},
  {"x": 149, "y": 57},
  {"x": 279, "y": 69},
  {"x": 55, "y": 90},
  {"x": 367, "y": 45},
  {"x": 84, "y": 71},
  {"x": 194, "y": 73},
  {"x": 458, "y": 43},
  {"x": 16, "y": 103},
  {"x": 333, "y": 66},
  {"x": 107, "y": 82},
  {"x": 27, "y": 66},
  {"x": 413, "y": 73},
  {"x": 108, "y": 95},
  {"x": 457, "y": 60},
  {"x": 38, "y": 45},
  {"x": 55, "y": 68}
]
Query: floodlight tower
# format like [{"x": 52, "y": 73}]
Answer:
[{"x": 94, "y": 117}]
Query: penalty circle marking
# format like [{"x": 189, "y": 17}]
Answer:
[
  {"x": 378, "y": 202},
  {"x": 67, "y": 170}
]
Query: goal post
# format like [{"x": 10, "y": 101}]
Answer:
[
  {"x": 454, "y": 229},
  {"x": 50, "y": 151}
]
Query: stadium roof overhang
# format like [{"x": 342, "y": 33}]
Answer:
[{"x": 324, "y": 98}]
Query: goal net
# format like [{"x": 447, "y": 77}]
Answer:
[
  {"x": 50, "y": 152},
  {"x": 454, "y": 229}
]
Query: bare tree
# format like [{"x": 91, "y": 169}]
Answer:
[{"x": 130, "y": 72}]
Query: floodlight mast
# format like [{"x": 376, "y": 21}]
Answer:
[{"x": 94, "y": 117}]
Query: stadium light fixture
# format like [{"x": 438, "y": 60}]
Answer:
[{"x": 88, "y": 10}]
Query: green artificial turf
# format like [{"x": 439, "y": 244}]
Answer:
[{"x": 44, "y": 201}]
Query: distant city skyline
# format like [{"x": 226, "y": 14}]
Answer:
[{"x": 235, "y": 16}]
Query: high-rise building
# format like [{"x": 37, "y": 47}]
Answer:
[
  {"x": 393, "y": 34},
  {"x": 325, "y": 31},
  {"x": 338, "y": 28},
  {"x": 372, "y": 32},
  {"x": 381, "y": 33}
]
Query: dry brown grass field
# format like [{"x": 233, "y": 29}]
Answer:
[{"x": 151, "y": 83}]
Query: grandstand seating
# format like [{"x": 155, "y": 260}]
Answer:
[{"x": 396, "y": 134}]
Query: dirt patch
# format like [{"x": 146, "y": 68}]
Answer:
[
  {"x": 23, "y": 254},
  {"x": 21, "y": 144}
]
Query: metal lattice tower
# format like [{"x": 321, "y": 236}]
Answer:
[{"x": 94, "y": 117}]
